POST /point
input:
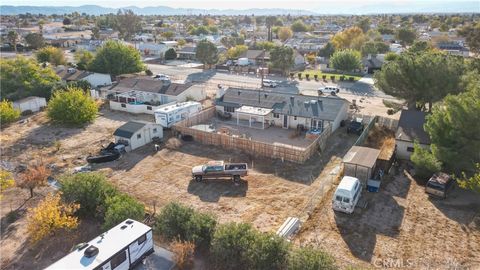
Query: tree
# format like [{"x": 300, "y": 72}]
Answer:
[
  {"x": 455, "y": 131},
  {"x": 364, "y": 24},
  {"x": 406, "y": 36},
  {"x": 181, "y": 42},
  {"x": 424, "y": 78},
  {"x": 67, "y": 21},
  {"x": 265, "y": 45},
  {"x": 282, "y": 58},
  {"x": 8, "y": 113},
  {"x": 207, "y": 53},
  {"x": 235, "y": 52},
  {"x": 121, "y": 207},
  {"x": 89, "y": 190},
  {"x": 373, "y": 48},
  {"x": 307, "y": 258},
  {"x": 49, "y": 216},
  {"x": 168, "y": 35},
  {"x": 269, "y": 22},
  {"x": 22, "y": 77},
  {"x": 391, "y": 56},
  {"x": 83, "y": 58},
  {"x": 34, "y": 40},
  {"x": 34, "y": 176},
  {"x": 472, "y": 36},
  {"x": 419, "y": 46},
  {"x": 346, "y": 60},
  {"x": 284, "y": 33},
  {"x": 350, "y": 38},
  {"x": 170, "y": 54},
  {"x": 424, "y": 161},
  {"x": 6, "y": 181},
  {"x": 327, "y": 50},
  {"x": 82, "y": 84},
  {"x": 127, "y": 23},
  {"x": 472, "y": 182},
  {"x": 72, "y": 107},
  {"x": 12, "y": 37},
  {"x": 116, "y": 58},
  {"x": 177, "y": 221},
  {"x": 51, "y": 55},
  {"x": 299, "y": 26},
  {"x": 268, "y": 251},
  {"x": 95, "y": 32}
]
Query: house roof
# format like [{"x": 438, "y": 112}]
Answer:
[
  {"x": 27, "y": 99},
  {"x": 72, "y": 74},
  {"x": 325, "y": 108},
  {"x": 188, "y": 49},
  {"x": 373, "y": 62},
  {"x": 148, "y": 84},
  {"x": 363, "y": 156},
  {"x": 128, "y": 129},
  {"x": 410, "y": 127},
  {"x": 255, "y": 54}
]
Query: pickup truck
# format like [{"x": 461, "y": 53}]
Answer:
[{"x": 219, "y": 169}]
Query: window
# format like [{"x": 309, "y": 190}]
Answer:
[
  {"x": 123, "y": 105},
  {"x": 155, "y": 130},
  {"x": 149, "y": 108},
  {"x": 141, "y": 239},
  {"x": 338, "y": 198},
  {"x": 346, "y": 200},
  {"x": 294, "y": 118},
  {"x": 410, "y": 149},
  {"x": 139, "y": 136},
  {"x": 118, "y": 259},
  {"x": 276, "y": 115},
  {"x": 228, "y": 109}
]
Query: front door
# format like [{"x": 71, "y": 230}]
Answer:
[{"x": 285, "y": 121}]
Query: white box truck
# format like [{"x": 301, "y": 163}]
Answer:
[
  {"x": 170, "y": 114},
  {"x": 347, "y": 195}
]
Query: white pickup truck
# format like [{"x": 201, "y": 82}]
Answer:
[{"x": 220, "y": 169}]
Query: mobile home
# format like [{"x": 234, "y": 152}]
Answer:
[
  {"x": 122, "y": 247},
  {"x": 170, "y": 114},
  {"x": 347, "y": 195}
]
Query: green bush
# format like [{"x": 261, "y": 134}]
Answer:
[
  {"x": 72, "y": 107},
  {"x": 170, "y": 54},
  {"x": 121, "y": 207},
  {"x": 237, "y": 246},
  {"x": 90, "y": 190},
  {"x": 8, "y": 114},
  {"x": 310, "y": 259},
  {"x": 177, "y": 221},
  {"x": 148, "y": 72},
  {"x": 424, "y": 162}
]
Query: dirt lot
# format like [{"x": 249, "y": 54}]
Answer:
[{"x": 401, "y": 227}]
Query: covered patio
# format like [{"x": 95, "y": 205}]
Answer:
[{"x": 252, "y": 117}]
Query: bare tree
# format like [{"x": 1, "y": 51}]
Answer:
[{"x": 34, "y": 176}]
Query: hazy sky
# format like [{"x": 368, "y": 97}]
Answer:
[{"x": 228, "y": 4}]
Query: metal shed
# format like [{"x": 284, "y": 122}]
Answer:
[{"x": 360, "y": 162}]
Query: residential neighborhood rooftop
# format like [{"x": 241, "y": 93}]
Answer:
[{"x": 411, "y": 127}]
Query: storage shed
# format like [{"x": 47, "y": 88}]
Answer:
[
  {"x": 137, "y": 134},
  {"x": 360, "y": 162},
  {"x": 33, "y": 104}
]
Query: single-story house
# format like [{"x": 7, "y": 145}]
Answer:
[
  {"x": 265, "y": 108},
  {"x": 136, "y": 134},
  {"x": 153, "y": 49},
  {"x": 33, "y": 104},
  {"x": 256, "y": 56},
  {"x": 72, "y": 74},
  {"x": 410, "y": 129},
  {"x": 143, "y": 94},
  {"x": 371, "y": 63},
  {"x": 454, "y": 48},
  {"x": 360, "y": 162},
  {"x": 187, "y": 53}
]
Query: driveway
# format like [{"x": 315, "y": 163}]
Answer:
[{"x": 161, "y": 259}]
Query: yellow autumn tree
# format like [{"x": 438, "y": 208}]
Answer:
[
  {"x": 6, "y": 181},
  {"x": 350, "y": 38},
  {"x": 49, "y": 216}
]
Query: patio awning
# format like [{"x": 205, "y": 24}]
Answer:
[{"x": 254, "y": 110}]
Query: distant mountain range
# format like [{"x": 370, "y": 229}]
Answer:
[{"x": 331, "y": 8}]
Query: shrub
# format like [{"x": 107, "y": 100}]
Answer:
[
  {"x": 390, "y": 111},
  {"x": 52, "y": 55},
  {"x": 315, "y": 76},
  {"x": 310, "y": 259},
  {"x": 268, "y": 251},
  {"x": 182, "y": 222},
  {"x": 307, "y": 76},
  {"x": 72, "y": 107},
  {"x": 121, "y": 207},
  {"x": 90, "y": 190},
  {"x": 170, "y": 54},
  {"x": 299, "y": 75},
  {"x": 424, "y": 161},
  {"x": 8, "y": 114},
  {"x": 6, "y": 181},
  {"x": 332, "y": 77},
  {"x": 182, "y": 253},
  {"x": 292, "y": 75},
  {"x": 342, "y": 78},
  {"x": 324, "y": 77},
  {"x": 351, "y": 79},
  {"x": 149, "y": 72}
]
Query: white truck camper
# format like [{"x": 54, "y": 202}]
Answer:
[
  {"x": 121, "y": 247},
  {"x": 170, "y": 114}
]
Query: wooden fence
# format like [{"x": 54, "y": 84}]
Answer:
[
  {"x": 387, "y": 122},
  {"x": 255, "y": 148}
]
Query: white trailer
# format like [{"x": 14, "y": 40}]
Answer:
[
  {"x": 122, "y": 247},
  {"x": 170, "y": 114}
]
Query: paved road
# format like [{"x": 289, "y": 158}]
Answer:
[{"x": 363, "y": 87}]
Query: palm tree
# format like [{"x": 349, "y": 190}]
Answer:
[
  {"x": 269, "y": 22},
  {"x": 12, "y": 37}
]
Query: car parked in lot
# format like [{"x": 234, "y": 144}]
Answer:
[
  {"x": 161, "y": 77},
  {"x": 355, "y": 127},
  {"x": 269, "y": 83}
]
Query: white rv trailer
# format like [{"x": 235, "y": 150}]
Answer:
[
  {"x": 120, "y": 248},
  {"x": 170, "y": 114}
]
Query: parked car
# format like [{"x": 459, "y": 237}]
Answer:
[
  {"x": 329, "y": 89},
  {"x": 355, "y": 127},
  {"x": 161, "y": 77},
  {"x": 269, "y": 83},
  {"x": 220, "y": 169},
  {"x": 347, "y": 195},
  {"x": 224, "y": 115},
  {"x": 439, "y": 185}
]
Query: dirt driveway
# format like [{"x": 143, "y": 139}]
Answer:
[{"x": 401, "y": 227}]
